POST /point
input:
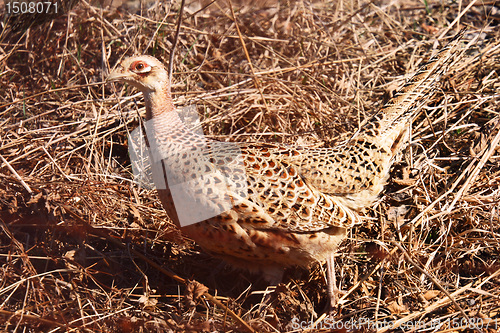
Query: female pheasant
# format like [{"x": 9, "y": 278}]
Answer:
[{"x": 265, "y": 207}]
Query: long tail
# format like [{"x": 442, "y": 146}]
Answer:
[{"x": 389, "y": 124}]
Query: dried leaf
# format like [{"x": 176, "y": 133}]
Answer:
[
  {"x": 194, "y": 290},
  {"x": 430, "y": 294},
  {"x": 397, "y": 306}
]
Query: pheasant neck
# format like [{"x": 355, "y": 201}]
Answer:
[
  {"x": 166, "y": 123},
  {"x": 159, "y": 103}
]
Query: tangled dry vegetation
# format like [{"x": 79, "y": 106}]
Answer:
[{"x": 81, "y": 247}]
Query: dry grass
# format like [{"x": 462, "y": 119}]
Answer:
[{"x": 70, "y": 217}]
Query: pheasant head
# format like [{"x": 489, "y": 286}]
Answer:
[{"x": 149, "y": 76}]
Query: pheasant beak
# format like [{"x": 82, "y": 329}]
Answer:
[{"x": 116, "y": 75}]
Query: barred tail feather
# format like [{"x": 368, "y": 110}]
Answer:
[{"x": 390, "y": 122}]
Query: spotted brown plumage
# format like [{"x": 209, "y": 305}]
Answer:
[{"x": 288, "y": 205}]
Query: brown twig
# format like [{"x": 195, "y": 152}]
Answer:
[{"x": 174, "y": 44}]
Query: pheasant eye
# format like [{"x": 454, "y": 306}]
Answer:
[{"x": 140, "y": 67}]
